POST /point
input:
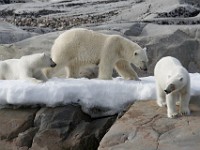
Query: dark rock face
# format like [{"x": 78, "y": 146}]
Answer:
[{"x": 51, "y": 128}]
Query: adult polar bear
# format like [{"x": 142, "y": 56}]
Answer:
[
  {"x": 172, "y": 85},
  {"x": 78, "y": 48},
  {"x": 26, "y": 68}
]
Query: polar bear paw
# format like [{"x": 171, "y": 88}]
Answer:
[
  {"x": 132, "y": 78},
  {"x": 185, "y": 111},
  {"x": 33, "y": 80},
  {"x": 161, "y": 103},
  {"x": 172, "y": 114}
]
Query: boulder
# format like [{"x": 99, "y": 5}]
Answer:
[{"x": 68, "y": 128}]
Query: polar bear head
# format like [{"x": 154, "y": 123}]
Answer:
[
  {"x": 175, "y": 83},
  {"x": 139, "y": 58},
  {"x": 47, "y": 61},
  {"x": 39, "y": 60}
]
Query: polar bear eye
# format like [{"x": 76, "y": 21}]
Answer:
[
  {"x": 181, "y": 79},
  {"x": 136, "y": 53}
]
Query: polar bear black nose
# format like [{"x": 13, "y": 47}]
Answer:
[
  {"x": 145, "y": 69},
  {"x": 167, "y": 91},
  {"x": 53, "y": 65},
  {"x": 170, "y": 89}
]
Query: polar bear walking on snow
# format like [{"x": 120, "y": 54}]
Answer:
[
  {"x": 78, "y": 48},
  {"x": 26, "y": 68},
  {"x": 172, "y": 85}
]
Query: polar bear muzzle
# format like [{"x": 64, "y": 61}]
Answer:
[
  {"x": 53, "y": 64},
  {"x": 170, "y": 89},
  {"x": 144, "y": 66}
]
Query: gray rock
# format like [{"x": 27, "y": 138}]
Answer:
[
  {"x": 14, "y": 121},
  {"x": 135, "y": 30},
  {"x": 181, "y": 42},
  {"x": 68, "y": 128},
  {"x": 51, "y": 128},
  {"x": 145, "y": 126},
  {"x": 25, "y": 139},
  {"x": 10, "y": 33}
]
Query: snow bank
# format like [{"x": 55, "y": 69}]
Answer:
[{"x": 112, "y": 95}]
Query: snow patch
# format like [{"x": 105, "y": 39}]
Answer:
[{"x": 111, "y": 96}]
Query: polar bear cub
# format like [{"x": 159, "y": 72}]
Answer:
[
  {"x": 26, "y": 68},
  {"x": 78, "y": 48},
  {"x": 172, "y": 85}
]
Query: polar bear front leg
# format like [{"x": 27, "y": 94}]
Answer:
[
  {"x": 125, "y": 70},
  {"x": 171, "y": 105},
  {"x": 28, "y": 75},
  {"x": 105, "y": 70},
  {"x": 161, "y": 100},
  {"x": 39, "y": 75},
  {"x": 184, "y": 104}
]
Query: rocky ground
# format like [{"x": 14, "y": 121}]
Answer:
[
  {"x": 145, "y": 126},
  {"x": 164, "y": 27}
]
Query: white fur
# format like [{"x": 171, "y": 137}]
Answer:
[
  {"x": 26, "y": 68},
  {"x": 170, "y": 75},
  {"x": 78, "y": 48}
]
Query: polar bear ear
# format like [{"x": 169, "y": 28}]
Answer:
[{"x": 145, "y": 49}]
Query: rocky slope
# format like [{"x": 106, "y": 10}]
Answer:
[{"x": 164, "y": 27}]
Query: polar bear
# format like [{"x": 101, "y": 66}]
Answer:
[
  {"x": 78, "y": 48},
  {"x": 26, "y": 68},
  {"x": 172, "y": 85}
]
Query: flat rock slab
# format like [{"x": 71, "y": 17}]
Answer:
[{"x": 145, "y": 126}]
